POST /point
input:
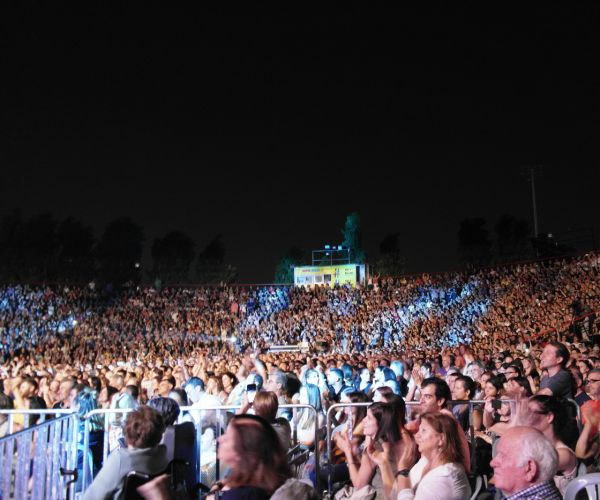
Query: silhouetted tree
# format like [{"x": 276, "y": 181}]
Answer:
[
  {"x": 352, "y": 238},
  {"x": 211, "y": 267},
  {"x": 474, "y": 246},
  {"x": 512, "y": 238},
  {"x": 391, "y": 262},
  {"x": 11, "y": 248},
  {"x": 75, "y": 260},
  {"x": 39, "y": 247},
  {"x": 284, "y": 272},
  {"x": 172, "y": 257},
  {"x": 120, "y": 252}
]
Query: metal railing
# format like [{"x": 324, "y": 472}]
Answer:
[
  {"x": 63, "y": 436},
  {"x": 27, "y": 414},
  {"x": 196, "y": 413},
  {"x": 36, "y": 462}
]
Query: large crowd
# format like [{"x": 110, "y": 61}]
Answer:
[{"x": 522, "y": 339}]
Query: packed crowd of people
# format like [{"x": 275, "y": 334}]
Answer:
[{"x": 523, "y": 340}]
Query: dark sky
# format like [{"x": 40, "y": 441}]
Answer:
[{"x": 271, "y": 126}]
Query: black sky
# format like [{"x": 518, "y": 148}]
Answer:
[{"x": 271, "y": 126}]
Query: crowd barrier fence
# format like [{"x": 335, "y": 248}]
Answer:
[
  {"x": 65, "y": 434},
  {"x": 40, "y": 462}
]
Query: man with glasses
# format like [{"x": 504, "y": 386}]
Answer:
[{"x": 588, "y": 444}]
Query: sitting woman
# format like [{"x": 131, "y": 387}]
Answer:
[
  {"x": 258, "y": 462},
  {"x": 439, "y": 474},
  {"x": 143, "y": 431},
  {"x": 383, "y": 426},
  {"x": 266, "y": 406},
  {"x": 305, "y": 424},
  {"x": 551, "y": 416}
]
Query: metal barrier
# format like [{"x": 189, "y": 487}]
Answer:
[
  {"x": 43, "y": 415},
  {"x": 193, "y": 411},
  {"x": 36, "y": 462}
]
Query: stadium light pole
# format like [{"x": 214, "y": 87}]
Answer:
[{"x": 531, "y": 171}]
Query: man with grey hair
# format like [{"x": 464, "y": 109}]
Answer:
[
  {"x": 525, "y": 465},
  {"x": 277, "y": 383}
]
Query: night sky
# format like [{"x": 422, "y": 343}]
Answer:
[{"x": 271, "y": 126}]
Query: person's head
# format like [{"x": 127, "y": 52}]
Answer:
[
  {"x": 28, "y": 387},
  {"x": 348, "y": 373},
  {"x": 475, "y": 370},
  {"x": 365, "y": 375},
  {"x": 551, "y": 415},
  {"x": 512, "y": 371},
  {"x": 451, "y": 379},
  {"x": 167, "y": 407},
  {"x": 311, "y": 395},
  {"x": 464, "y": 388},
  {"x": 394, "y": 385},
  {"x": 524, "y": 457},
  {"x": 311, "y": 376},
  {"x": 435, "y": 393},
  {"x": 266, "y": 405},
  {"x": 592, "y": 383},
  {"x": 144, "y": 428},
  {"x": 256, "y": 379},
  {"x": 517, "y": 388},
  {"x": 584, "y": 367},
  {"x": 357, "y": 412},
  {"x": 381, "y": 393},
  {"x": 382, "y": 422},
  {"x": 494, "y": 387},
  {"x": 64, "y": 390},
  {"x": 277, "y": 382},
  {"x": 5, "y": 404},
  {"x": 35, "y": 403},
  {"x": 253, "y": 451},
  {"x": 194, "y": 388},
  {"x": 438, "y": 437},
  {"x": 165, "y": 386},
  {"x": 179, "y": 395},
  {"x": 398, "y": 368},
  {"x": 335, "y": 376},
  {"x": 554, "y": 355},
  {"x": 133, "y": 391}
]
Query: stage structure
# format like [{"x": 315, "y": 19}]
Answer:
[{"x": 331, "y": 266}]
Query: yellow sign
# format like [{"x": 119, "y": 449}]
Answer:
[{"x": 326, "y": 275}]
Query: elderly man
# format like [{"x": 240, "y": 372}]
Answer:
[{"x": 525, "y": 465}]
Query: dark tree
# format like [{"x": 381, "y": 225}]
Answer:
[
  {"x": 474, "y": 246},
  {"x": 211, "y": 267},
  {"x": 352, "y": 238},
  {"x": 120, "y": 252},
  {"x": 39, "y": 248},
  {"x": 513, "y": 240},
  {"x": 11, "y": 247},
  {"x": 284, "y": 272},
  {"x": 172, "y": 256},
  {"x": 75, "y": 261},
  {"x": 391, "y": 262}
]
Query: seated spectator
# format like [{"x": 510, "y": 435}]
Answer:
[
  {"x": 144, "y": 453},
  {"x": 440, "y": 473},
  {"x": 525, "y": 465},
  {"x": 266, "y": 406},
  {"x": 258, "y": 462},
  {"x": 554, "y": 418},
  {"x": 383, "y": 426}
]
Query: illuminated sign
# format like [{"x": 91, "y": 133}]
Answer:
[{"x": 346, "y": 274}]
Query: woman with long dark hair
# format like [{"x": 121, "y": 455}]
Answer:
[{"x": 258, "y": 462}]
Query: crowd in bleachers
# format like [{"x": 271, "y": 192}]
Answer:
[{"x": 500, "y": 335}]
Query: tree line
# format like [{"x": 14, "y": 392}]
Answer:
[{"x": 43, "y": 249}]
